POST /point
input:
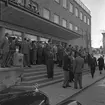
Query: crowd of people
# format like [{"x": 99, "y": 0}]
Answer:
[{"x": 70, "y": 58}]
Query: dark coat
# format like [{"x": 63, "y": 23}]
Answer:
[
  {"x": 93, "y": 62},
  {"x": 26, "y": 47},
  {"x": 60, "y": 54},
  {"x": 101, "y": 63},
  {"x": 66, "y": 65}
]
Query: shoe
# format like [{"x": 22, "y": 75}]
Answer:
[
  {"x": 64, "y": 86},
  {"x": 2, "y": 66},
  {"x": 75, "y": 88},
  {"x": 68, "y": 86},
  {"x": 29, "y": 66},
  {"x": 81, "y": 87}
]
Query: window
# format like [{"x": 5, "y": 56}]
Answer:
[
  {"x": 71, "y": 7},
  {"x": 56, "y": 19},
  {"x": 44, "y": 39},
  {"x": 64, "y": 23},
  {"x": 81, "y": 16},
  {"x": 57, "y": 1},
  {"x": 65, "y": 3},
  {"x": 10, "y": 32},
  {"x": 85, "y": 19},
  {"x": 31, "y": 37},
  {"x": 76, "y": 28},
  {"x": 46, "y": 13},
  {"x": 88, "y": 21},
  {"x": 76, "y": 12},
  {"x": 70, "y": 26}
]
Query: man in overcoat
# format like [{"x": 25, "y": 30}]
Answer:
[{"x": 78, "y": 69}]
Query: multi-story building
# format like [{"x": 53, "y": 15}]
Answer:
[
  {"x": 66, "y": 21},
  {"x": 103, "y": 33}
]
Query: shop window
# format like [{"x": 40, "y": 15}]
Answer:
[
  {"x": 44, "y": 40},
  {"x": 31, "y": 37},
  {"x": 8, "y": 31},
  {"x": 18, "y": 35}
]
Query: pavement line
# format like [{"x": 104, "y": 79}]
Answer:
[{"x": 80, "y": 91}]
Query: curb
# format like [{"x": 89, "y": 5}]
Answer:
[{"x": 80, "y": 91}]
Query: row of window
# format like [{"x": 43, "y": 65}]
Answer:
[
  {"x": 75, "y": 10},
  {"x": 18, "y": 35},
  {"x": 56, "y": 19}
]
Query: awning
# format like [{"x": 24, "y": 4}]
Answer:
[{"x": 16, "y": 16}]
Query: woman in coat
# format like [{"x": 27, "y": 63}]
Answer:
[{"x": 101, "y": 64}]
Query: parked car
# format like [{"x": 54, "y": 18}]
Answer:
[
  {"x": 15, "y": 96},
  {"x": 11, "y": 95}
]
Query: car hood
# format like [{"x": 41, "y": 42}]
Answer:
[{"x": 12, "y": 96}]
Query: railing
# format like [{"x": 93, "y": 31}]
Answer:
[
  {"x": 83, "y": 6},
  {"x": 27, "y": 4}
]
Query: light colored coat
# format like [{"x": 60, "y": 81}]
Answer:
[{"x": 78, "y": 65}]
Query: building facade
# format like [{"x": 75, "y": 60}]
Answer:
[
  {"x": 71, "y": 14},
  {"x": 66, "y": 21},
  {"x": 103, "y": 42}
]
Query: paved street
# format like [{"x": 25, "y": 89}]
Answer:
[
  {"x": 57, "y": 94},
  {"x": 95, "y": 95}
]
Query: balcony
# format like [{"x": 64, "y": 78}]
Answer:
[{"x": 31, "y": 5}]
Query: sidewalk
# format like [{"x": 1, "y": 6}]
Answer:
[{"x": 57, "y": 94}]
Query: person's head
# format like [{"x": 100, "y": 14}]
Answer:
[
  {"x": 25, "y": 39},
  {"x": 6, "y": 35},
  {"x": 91, "y": 55},
  {"x": 67, "y": 51},
  {"x": 13, "y": 38},
  {"x": 78, "y": 54},
  {"x": 70, "y": 46}
]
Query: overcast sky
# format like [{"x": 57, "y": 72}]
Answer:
[{"x": 97, "y": 8}]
